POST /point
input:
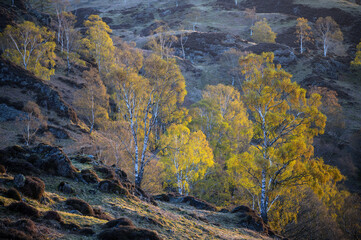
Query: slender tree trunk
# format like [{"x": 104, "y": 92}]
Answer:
[
  {"x": 301, "y": 40},
  {"x": 93, "y": 114},
  {"x": 264, "y": 199}
]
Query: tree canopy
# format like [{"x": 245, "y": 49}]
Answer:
[
  {"x": 30, "y": 47},
  {"x": 284, "y": 122}
]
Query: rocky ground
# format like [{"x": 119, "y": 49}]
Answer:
[
  {"x": 71, "y": 196},
  {"x": 47, "y": 194}
]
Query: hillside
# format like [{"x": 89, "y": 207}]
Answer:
[{"x": 73, "y": 182}]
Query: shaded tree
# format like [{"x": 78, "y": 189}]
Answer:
[
  {"x": 92, "y": 101},
  {"x": 328, "y": 33},
  {"x": 252, "y": 17},
  {"x": 31, "y": 121}
]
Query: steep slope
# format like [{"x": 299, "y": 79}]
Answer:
[{"x": 75, "y": 197}]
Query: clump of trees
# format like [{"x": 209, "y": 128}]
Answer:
[{"x": 30, "y": 47}]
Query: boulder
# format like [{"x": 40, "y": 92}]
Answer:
[
  {"x": 54, "y": 161},
  {"x": 123, "y": 221},
  {"x": 65, "y": 187},
  {"x": 13, "y": 193},
  {"x": 24, "y": 209},
  {"x": 89, "y": 176},
  {"x": 52, "y": 215},
  {"x": 2, "y": 169},
  {"x": 80, "y": 205},
  {"x": 112, "y": 187},
  {"x": 33, "y": 188},
  {"x": 128, "y": 233},
  {"x": 24, "y": 229},
  {"x": 251, "y": 220},
  {"x": 19, "y": 180}
]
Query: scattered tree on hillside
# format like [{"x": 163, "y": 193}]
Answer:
[
  {"x": 183, "y": 38},
  {"x": 60, "y": 6},
  {"x": 162, "y": 41},
  {"x": 328, "y": 33},
  {"x": 31, "y": 121},
  {"x": 303, "y": 32},
  {"x": 251, "y": 15},
  {"x": 143, "y": 100},
  {"x": 356, "y": 63},
  {"x": 71, "y": 39},
  {"x": 31, "y": 47},
  {"x": 92, "y": 101},
  {"x": 99, "y": 43},
  {"x": 281, "y": 153},
  {"x": 186, "y": 157},
  {"x": 262, "y": 32}
]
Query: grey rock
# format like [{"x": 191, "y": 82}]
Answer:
[
  {"x": 19, "y": 180},
  {"x": 8, "y": 113}
]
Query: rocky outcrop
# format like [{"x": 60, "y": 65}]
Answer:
[
  {"x": 192, "y": 201},
  {"x": 124, "y": 229},
  {"x": 248, "y": 218},
  {"x": 283, "y": 54},
  {"x": 43, "y": 157},
  {"x": 46, "y": 96}
]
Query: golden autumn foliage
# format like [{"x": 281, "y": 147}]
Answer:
[
  {"x": 147, "y": 103},
  {"x": 356, "y": 63},
  {"x": 284, "y": 122},
  {"x": 99, "y": 43},
  {"x": 30, "y": 47},
  {"x": 303, "y": 32},
  {"x": 262, "y": 32},
  {"x": 186, "y": 156},
  {"x": 223, "y": 118}
]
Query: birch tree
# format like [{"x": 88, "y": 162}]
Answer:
[
  {"x": 251, "y": 15},
  {"x": 285, "y": 122},
  {"x": 31, "y": 121},
  {"x": 92, "y": 101},
  {"x": 31, "y": 47},
  {"x": 303, "y": 32},
  {"x": 99, "y": 43},
  {"x": 141, "y": 100},
  {"x": 328, "y": 33},
  {"x": 186, "y": 156}
]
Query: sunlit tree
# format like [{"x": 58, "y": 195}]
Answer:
[
  {"x": 186, "y": 156},
  {"x": 30, "y": 47},
  {"x": 99, "y": 43},
  {"x": 303, "y": 32},
  {"x": 285, "y": 122},
  {"x": 142, "y": 100},
  {"x": 262, "y": 32}
]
